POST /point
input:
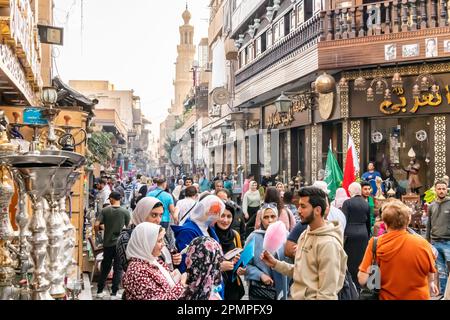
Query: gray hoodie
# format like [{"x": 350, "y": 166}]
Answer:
[{"x": 438, "y": 225}]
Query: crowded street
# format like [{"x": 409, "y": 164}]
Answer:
[{"x": 224, "y": 150}]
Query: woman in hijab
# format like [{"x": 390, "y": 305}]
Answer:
[
  {"x": 258, "y": 273},
  {"x": 200, "y": 223},
  {"x": 230, "y": 239},
  {"x": 176, "y": 192},
  {"x": 147, "y": 278},
  {"x": 203, "y": 260},
  {"x": 341, "y": 196},
  {"x": 149, "y": 209}
]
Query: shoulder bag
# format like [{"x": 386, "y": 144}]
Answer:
[
  {"x": 259, "y": 291},
  {"x": 369, "y": 293}
]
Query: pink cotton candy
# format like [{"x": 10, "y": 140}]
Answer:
[{"x": 275, "y": 237}]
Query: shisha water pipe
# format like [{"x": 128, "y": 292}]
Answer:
[
  {"x": 67, "y": 141},
  {"x": 6, "y": 232}
]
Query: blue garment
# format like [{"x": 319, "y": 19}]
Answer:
[
  {"x": 228, "y": 184},
  {"x": 370, "y": 177},
  {"x": 166, "y": 200},
  {"x": 185, "y": 234},
  {"x": 204, "y": 185},
  {"x": 443, "y": 248},
  {"x": 256, "y": 267}
]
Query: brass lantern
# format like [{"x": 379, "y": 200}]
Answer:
[
  {"x": 360, "y": 84},
  {"x": 397, "y": 81},
  {"x": 325, "y": 83},
  {"x": 370, "y": 95}
]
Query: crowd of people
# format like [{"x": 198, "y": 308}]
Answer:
[{"x": 182, "y": 240}]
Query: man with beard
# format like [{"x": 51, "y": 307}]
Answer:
[
  {"x": 438, "y": 230},
  {"x": 366, "y": 193},
  {"x": 320, "y": 262}
]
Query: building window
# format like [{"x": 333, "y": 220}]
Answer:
[
  {"x": 287, "y": 23},
  {"x": 293, "y": 24},
  {"x": 258, "y": 46},
  {"x": 276, "y": 32},
  {"x": 251, "y": 54},
  {"x": 300, "y": 13},
  {"x": 269, "y": 38},
  {"x": 263, "y": 42}
]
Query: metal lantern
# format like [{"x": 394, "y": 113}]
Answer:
[
  {"x": 283, "y": 104},
  {"x": 360, "y": 84},
  {"x": 416, "y": 91},
  {"x": 325, "y": 83},
  {"x": 397, "y": 81},
  {"x": 370, "y": 96},
  {"x": 49, "y": 95}
]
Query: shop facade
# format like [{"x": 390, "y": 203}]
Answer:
[{"x": 397, "y": 115}]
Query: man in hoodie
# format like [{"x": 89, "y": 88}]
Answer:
[
  {"x": 320, "y": 261},
  {"x": 438, "y": 230}
]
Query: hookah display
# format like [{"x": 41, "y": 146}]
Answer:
[{"x": 46, "y": 177}]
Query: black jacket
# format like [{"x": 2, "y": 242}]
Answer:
[{"x": 357, "y": 211}]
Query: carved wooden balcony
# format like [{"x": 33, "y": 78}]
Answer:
[
  {"x": 303, "y": 37},
  {"x": 363, "y": 33}
]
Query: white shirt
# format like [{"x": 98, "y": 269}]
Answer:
[
  {"x": 184, "y": 206},
  {"x": 337, "y": 215},
  {"x": 103, "y": 196}
]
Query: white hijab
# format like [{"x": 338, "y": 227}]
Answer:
[
  {"x": 142, "y": 242},
  {"x": 207, "y": 212}
]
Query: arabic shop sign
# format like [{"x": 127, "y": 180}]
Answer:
[
  {"x": 300, "y": 103},
  {"x": 399, "y": 103}
]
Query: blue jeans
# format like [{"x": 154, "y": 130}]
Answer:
[
  {"x": 443, "y": 248},
  {"x": 165, "y": 225}
]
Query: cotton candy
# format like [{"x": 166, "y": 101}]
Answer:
[{"x": 275, "y": 237}]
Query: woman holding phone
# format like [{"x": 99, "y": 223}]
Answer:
[{"x": 229, "y": 240}]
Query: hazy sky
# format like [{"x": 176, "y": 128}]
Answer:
[{"x": 130, "y": 43}]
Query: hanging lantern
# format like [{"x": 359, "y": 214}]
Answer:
[
  {"x": 397, "y": 81},
  {"x": 416, "y": 91},
  {"x": 425, "y": 83},
  {"x": 360, "y": 84},
  {"x": 435, "y": 88},
  {"x": 370, "y": 95},
  {"x": 411, "y": 153},
  {"x": 379, "y": 89},
  {"x": 387, "y": 94}
]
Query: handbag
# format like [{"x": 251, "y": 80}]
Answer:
[
  {"x": 258, "y": 290},
  {"x": 372, "y": 294}
]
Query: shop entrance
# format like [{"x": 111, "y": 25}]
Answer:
[
  {"x": 394, "y": 142},
  {"x": 298, "y": 151}
]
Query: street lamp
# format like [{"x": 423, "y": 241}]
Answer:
[
  {"x": 49, "y": 96},
  {"x": 283, "y": 104}
]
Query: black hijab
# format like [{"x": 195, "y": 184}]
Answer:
[{"x": 226, "y": 237}]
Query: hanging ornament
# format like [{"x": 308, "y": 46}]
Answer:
[{"x": 421, "y": 135}]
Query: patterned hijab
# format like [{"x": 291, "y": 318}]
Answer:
[
  {"x": 143, "y": 210},
  {"x": 203, "y": 268}
]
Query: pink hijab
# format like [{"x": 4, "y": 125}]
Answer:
[{"x": 341, "y": 196}]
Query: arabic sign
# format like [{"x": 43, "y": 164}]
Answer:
[
  {"x": 429, "y": 100},
  {"x": 34, "y": 116}
]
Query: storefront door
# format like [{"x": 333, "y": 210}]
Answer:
[{"x": 393, "y": 142}]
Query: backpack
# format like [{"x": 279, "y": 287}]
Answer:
[{"x": 349, "y": 290}]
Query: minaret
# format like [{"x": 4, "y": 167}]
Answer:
[{"x": 186, "y": 52}]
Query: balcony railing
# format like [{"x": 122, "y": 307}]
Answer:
[
  {"x": 383, "y": 17},
  {"x": 304, "y": 36}
]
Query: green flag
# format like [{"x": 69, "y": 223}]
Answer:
[{"x": 333, "y": 174}]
